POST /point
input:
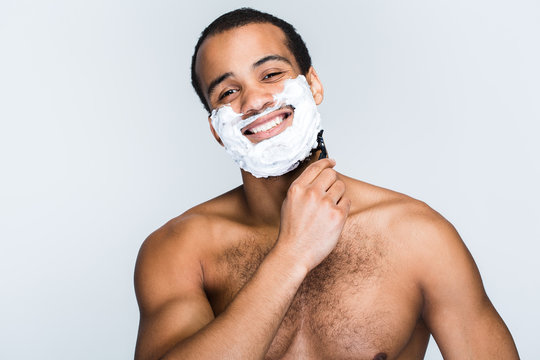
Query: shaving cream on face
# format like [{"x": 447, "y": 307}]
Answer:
[{"x": 283, "y": 152}]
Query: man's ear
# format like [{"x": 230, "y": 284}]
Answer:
[
  {"x": 315, "y": 84},
  {"x": 216, "y": 136}
]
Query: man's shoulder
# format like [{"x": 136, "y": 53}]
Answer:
[
  {"x": 400, "y": 215},
  {"x": 415, "y": 236},
  {"x": 171, "y": 257},
  {"x": 174, "y": 245},
  {"x": 201, "y": 222},
  {"x": 376, "y": 200},
  {"x": 185, "y": 238}
]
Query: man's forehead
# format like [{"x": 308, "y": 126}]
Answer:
[{"x": 238, "y": 47}]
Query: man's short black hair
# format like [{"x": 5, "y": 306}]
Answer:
[{"x": 245, "y": 16}]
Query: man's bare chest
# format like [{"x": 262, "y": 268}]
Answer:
[{"x": 350, "y": 306}]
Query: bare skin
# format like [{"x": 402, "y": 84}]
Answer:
[{"x": 309, "y": 265}]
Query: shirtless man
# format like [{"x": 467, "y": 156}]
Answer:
[{"x": 310, "y": 264}]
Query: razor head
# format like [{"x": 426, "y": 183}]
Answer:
[{"x": 321, "y": 146}]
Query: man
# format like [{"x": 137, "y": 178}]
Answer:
[{"x": 304, "y": 263}]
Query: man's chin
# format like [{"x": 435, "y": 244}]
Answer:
[{"x": 298, "y": 169}]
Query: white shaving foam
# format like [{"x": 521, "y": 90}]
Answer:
[{"x": 283, "y": 152}]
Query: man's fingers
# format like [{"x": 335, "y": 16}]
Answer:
[
  {"x": 345, "y": 204},
  {"x": 336, "y": 191},
  {"x": 313, "y": 170},
  {"x": 325, "y": 179}
]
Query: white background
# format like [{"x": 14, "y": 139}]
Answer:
[{"x": 102, "y": 140}]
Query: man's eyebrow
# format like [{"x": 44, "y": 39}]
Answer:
[
  {"x": 270, "y": 58},
  {"x": 258, "y": 63},
  {"x": 218, "y": 81}
]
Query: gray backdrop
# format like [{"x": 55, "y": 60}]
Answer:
[{"x": 102, "y": 140}]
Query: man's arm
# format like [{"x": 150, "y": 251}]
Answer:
[
  {"x": 177, "y": 321},
  {"x": 458, "y": 312}
]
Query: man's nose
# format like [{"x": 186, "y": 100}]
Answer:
[{"x": 255, "y": 100}]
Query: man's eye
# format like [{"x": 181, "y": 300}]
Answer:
[
  {"x": 226, "y": 93},
  {"x": 268, "y": 76}
]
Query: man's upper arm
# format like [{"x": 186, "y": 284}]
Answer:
[
  {"x": 456, "y": 308},
  {"x": 169, "y": 289}
]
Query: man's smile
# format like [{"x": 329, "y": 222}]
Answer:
[{"x": 269, "y": 125}]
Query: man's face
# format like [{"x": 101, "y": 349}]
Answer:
[{"x": 245, "y": 67}]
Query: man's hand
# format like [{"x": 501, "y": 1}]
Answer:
[{"x": 313, "y": 214}]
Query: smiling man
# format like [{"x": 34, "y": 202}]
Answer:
[{"x": 300, "y": 261}]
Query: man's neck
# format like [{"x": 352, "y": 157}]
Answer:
[{"x": 264, "y": 196}]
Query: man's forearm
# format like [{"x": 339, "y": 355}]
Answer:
[{"x": 247, "y": 327}]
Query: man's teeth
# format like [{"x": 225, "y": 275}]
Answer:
[{"x": 268, "y": 125}]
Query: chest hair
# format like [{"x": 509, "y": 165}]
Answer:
[{"x": 352, "y": 265}]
